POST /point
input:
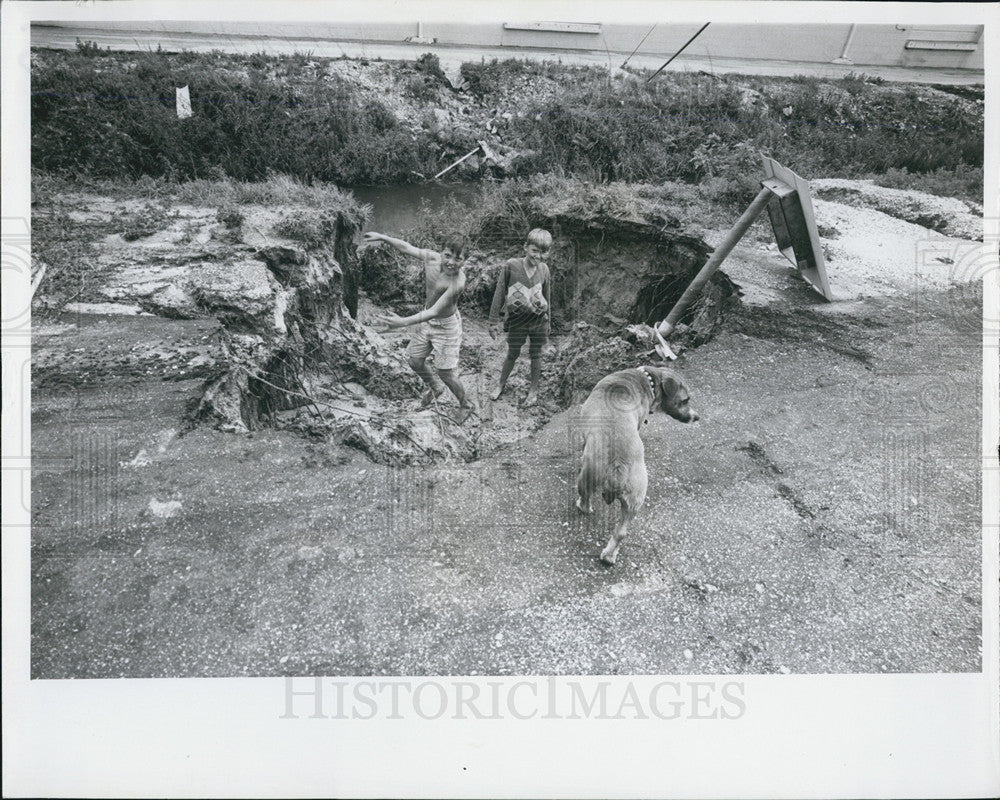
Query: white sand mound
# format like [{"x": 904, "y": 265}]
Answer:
[{"x": 868, "y": 252}]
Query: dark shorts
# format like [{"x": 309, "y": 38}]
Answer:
[{"x": 531, "y": 328}]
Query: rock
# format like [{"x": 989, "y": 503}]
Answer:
[
  {"x": 124, "y": 309},
  {"x": 453, "y": 74},
  {"x": 240, "y": 294},
  {"x": 172, "y": 301}
]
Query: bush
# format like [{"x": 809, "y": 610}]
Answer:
[
  {"x": 697, "y": 128},
  {"x": 114, "y": 116},
  {"x": 420, "y": 88},
  {"x": 430, "y": 65}
]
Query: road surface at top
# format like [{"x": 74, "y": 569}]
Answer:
[{"x": 451, "y": 56}]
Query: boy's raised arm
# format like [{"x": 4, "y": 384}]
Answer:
[{"x": 398, "y": 244}]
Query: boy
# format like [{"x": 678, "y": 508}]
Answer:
[
  {"x": 523, "y": 287},
  {"x": 439, "y": 325}
]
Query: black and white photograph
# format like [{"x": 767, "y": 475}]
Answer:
[{"x": 480, "y": 367}]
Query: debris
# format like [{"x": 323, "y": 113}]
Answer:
[
  {"x": 164, "y": 510},
  {"x": 455, "y": 164}
]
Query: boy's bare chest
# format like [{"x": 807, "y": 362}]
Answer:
[{"x": 438, "y": 284}]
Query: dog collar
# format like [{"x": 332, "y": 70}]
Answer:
[{"x": 652, "y": 387}]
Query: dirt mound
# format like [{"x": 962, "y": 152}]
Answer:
[{"x": 950, "y": 216}]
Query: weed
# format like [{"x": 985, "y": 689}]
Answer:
[
  {"x": 430, "y": 65},
  {"x": 114, "y": 116},
  {"x": 89, "y": 48},
  {"x": 151, "y": 218},
  {"x": 420, "y": 88},
  {"x": 315, "y": 229},
  {"x": 961, "y": 181}
]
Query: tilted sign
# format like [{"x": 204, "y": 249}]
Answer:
[{"x": 794, "y": 224}]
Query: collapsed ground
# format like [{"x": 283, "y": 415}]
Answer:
[{"x": 228, "y": 458}]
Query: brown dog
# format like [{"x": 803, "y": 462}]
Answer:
[{"x": 614, "y": 461}]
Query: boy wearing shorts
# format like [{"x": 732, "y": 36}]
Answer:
[
  {"x": 523, "y": 289},
  {"x": 439, "y": 324}
]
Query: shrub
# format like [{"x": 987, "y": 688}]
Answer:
[
  {"x": 420, "y": 88},
  {"x": 114, "y": 116},
  {"x": 430, "y": 65}
]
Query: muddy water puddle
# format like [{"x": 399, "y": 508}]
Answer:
[{"x": 398, "y": 208}]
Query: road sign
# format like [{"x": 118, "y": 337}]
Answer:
[{"x": 794, "y": 224}]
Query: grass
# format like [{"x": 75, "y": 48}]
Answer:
[
  {"x": 962, "y": 181},
  {"x": 221, "y": 192},
  {"x": 113, "y": 115},
  {"x": 503, "y": 212},
  {"x": 97, "y": 115},
  {"x": 696, "y": 127}
]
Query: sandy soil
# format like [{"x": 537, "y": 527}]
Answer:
[{"x": 823, "y": 516}]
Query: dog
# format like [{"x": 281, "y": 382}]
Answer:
[{"x": 614, "y": 462}]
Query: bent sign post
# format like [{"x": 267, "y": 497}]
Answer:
[{"x": 786, "y": 197}]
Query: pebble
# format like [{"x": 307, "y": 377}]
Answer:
[
  {"x": 309, "y": 553},
  {"x": 164, "y": 510},
  {"x": 688, "y": 655}
]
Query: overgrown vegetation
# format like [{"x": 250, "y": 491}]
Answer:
[
  {"x": 222, "y": 192},
  {"x": 693, "y": 127},
  {"x": 112, "y": 115}
]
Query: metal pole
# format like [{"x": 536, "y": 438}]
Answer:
[
  {"x": 449, "y": 169},
  {"x": 842, "y": 58},
  {"x": 678, "y": 52},
  {"x": 638, "y": 46},
  {"x": 715, "y": 260}
]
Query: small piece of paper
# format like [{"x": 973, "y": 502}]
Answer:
[{"x": 183, "y": 103}]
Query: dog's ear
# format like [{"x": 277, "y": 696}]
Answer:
[
  {"x": 668, "y": 386},
  {"x": 673, "y": 396}
]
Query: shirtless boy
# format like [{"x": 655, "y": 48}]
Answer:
[{"x": 439, "y": 324}]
